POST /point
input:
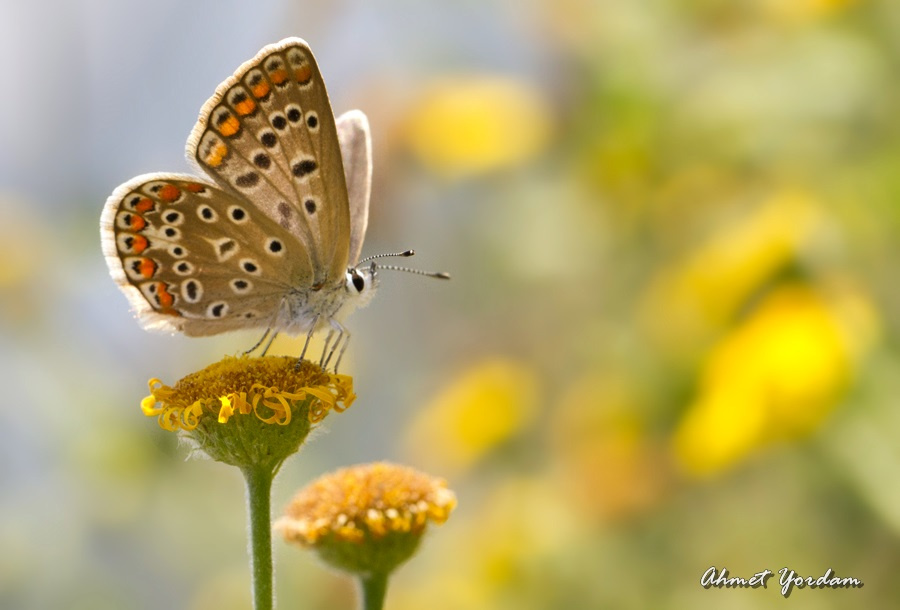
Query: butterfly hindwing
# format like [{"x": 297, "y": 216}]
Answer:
[
  {"x": 356, "y": 149},
  {"x": 268, "y": 134},
  {"x": 196, "y": 259}
]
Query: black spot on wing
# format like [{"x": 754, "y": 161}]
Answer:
[
  {"x": 247, "y": 180},
  {"x": 304, "y": 168}
]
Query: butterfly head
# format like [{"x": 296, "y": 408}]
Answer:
[{"x": 361, "y": 283}]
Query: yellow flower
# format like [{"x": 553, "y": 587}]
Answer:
[
  {"x": 240, "y": 410},
  {"x": 700, "y": 294},
  {"x": 265, "y": 387},
  {"x": 367, "y": 518},
  {"x": 474, "y": 124},
  {"x": 775, "y": 377},
  {"x": 482, "y": 408}
]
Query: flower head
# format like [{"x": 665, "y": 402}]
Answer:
[
  {"x": 249, "y": 411},
  {"x": 367, "y": 518}
]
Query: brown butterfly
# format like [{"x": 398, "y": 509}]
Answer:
[{"x": 273, "y": 240}]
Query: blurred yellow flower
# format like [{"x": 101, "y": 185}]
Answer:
[
  {"x": 474, "y": 124},
  {"x": 482, "y": 408},
  {"x": 691, "y": 299},
  {"x": 805, "y": 10},
  {"x": 608, "y": 462},
  {"x": 776, "y": 376}
]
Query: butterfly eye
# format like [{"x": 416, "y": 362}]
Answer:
[{"x": 358, "y": 282}]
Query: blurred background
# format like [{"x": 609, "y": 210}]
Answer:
[{"x": 670, "y": 341}]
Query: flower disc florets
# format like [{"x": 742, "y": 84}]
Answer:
[{"x": 368, "y": 518}]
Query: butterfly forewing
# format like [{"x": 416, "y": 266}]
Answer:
[
  {"x": 194, "y": 258},
  {"x": 268, "y": 135}
]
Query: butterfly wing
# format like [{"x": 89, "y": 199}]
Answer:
[
  {"x": 268, "y": 135},
  {"x": 356, "y": 150},
  {"x": 194, "y": 258}
]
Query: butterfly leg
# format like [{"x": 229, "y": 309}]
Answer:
[
  {"x": 337, "y": 362},
  {"x": 322, "y": 361},
  {"x": 269, "y": 344},
  {"x": 309, "y": 335},
  {"x": 258, "y": 343},
  {"x": 344, "y": 334}
]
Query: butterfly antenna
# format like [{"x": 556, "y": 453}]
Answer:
[
  {"x": 405, "y": 253},
  {"x": 438, "y": 274}
]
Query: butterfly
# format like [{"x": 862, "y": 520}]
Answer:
[{"x": 272, "y": 238}]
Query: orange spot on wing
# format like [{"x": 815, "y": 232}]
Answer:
[
  {"x": 279, "y": 76},
  {"x": 140, "y": 244},
  {"x": 245, "y": 107},
  {"x": 166, "y": 300},
  {"x": 260, "y": 90},
  {"x": 147, "y": 267},
  {"x": 216, "y": 155},
  {"x": 303, "y": 74},
  {"x": 194, "y": 187},
  {"x": 169, "y": 193},
  {"x": 145, "y": 205},
  {"x": 229, "y": 126},
  {"x": 137, "y": 222}
]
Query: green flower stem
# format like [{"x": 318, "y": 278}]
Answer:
[
  {"x": 374, "y": 588},
  {"x": 259, "y": 489}
]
